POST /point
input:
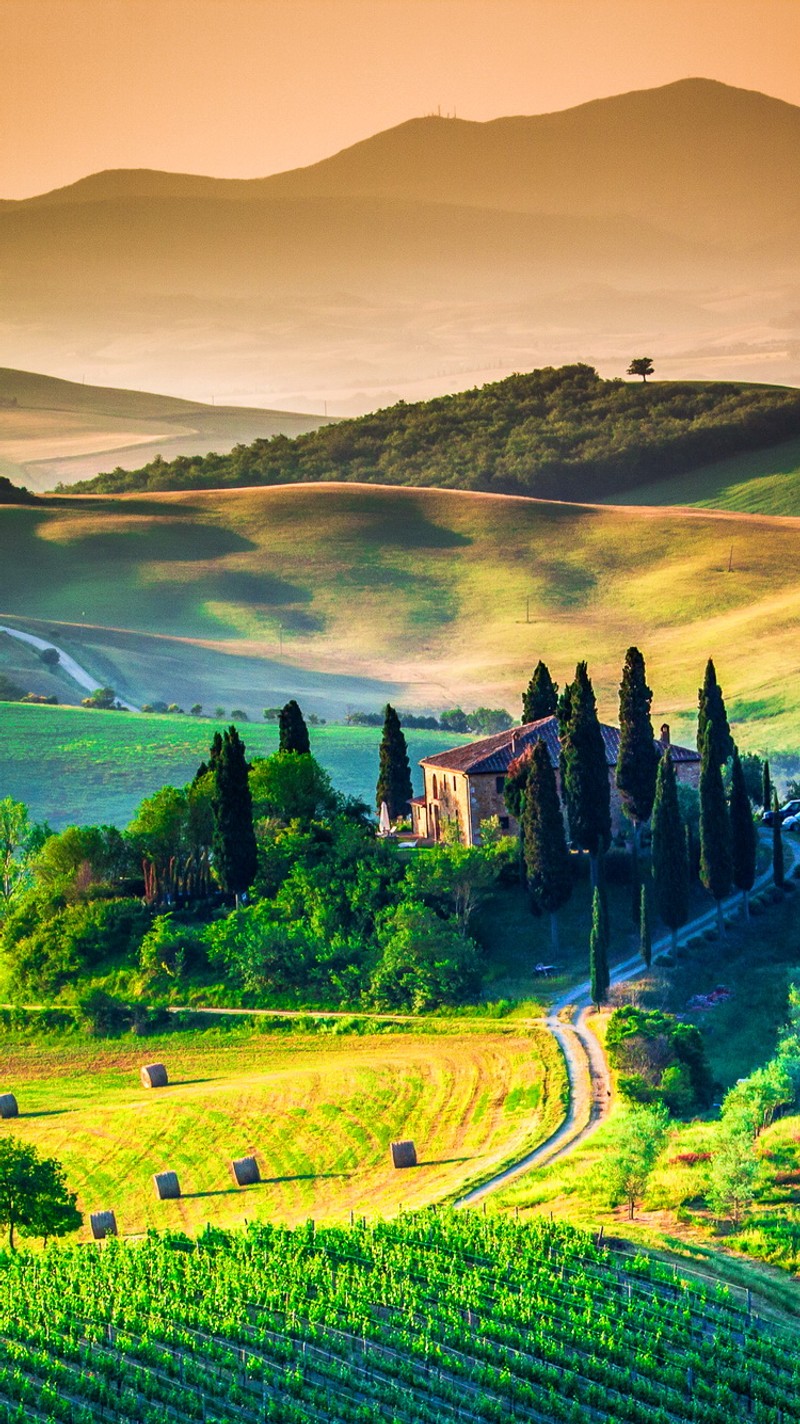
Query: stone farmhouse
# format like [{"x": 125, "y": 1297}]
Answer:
[{"x": 466, "y": 784}]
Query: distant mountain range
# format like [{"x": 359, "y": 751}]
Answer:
[{"x": 438, "y": 252}]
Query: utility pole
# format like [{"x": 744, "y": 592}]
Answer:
[
  {"x": 527, "y": 610},
  {"x": 730, "y": 560}
]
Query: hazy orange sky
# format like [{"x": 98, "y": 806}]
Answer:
[{"x": 243, "y": 88}]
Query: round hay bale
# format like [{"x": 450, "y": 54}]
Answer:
[
  {"x": 154, "y": 1075},
  {"x": 103, "y": 1223},
  {"x": 8, "y": 1105},
  {"x": 167, "y": 1186},
  {"x": 404, "y": 1154},
  {"x": 245, "y": 1171}
]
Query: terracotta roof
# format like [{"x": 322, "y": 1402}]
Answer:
[
  {"x": 495, "y": 754},
  {"x": 417, "y": 801}
]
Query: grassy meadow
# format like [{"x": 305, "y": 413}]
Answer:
[
  {"x": 319, "y": 1109},
  {"x": 351, "y": 594},
  {"x": 755, "y": 482},
  {"x": 73, "y": 766}
]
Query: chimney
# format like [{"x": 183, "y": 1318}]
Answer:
[
  {"x": 514, "y": 743},
  {"x": 665, "y": 733}
]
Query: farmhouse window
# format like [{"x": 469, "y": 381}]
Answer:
[
  {"x": 499, "y": 783},
  {"x": 504, "y": 823}
]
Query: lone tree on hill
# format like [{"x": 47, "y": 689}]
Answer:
[
  {"x": 585, "y": 771},
  {"x": 540, "y": 698},
  {"x": 637, "y": 762},
  {"x": 743, "y": 835},
  {"x": 641, "y": 366},
  {"x": 669, "y": 859},
  {"x": 716, "y": 861},
  {"x": 234, "y": 841},
  {"x": 34, "y": 1199},
  {"x": 777, "y": 842},
  {"x": 394, "y": 774},
  {"x": 544, "y": 842},
  {"x": 599, "y": 976},
  {"x": 293, "y": 732},
  {"x": 711, "y": 712}
]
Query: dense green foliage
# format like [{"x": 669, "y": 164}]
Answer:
[
  {"x": 659, "y": 1059},
  {"x": 34, "y": 1198},
  {"x": 584, "y": 778},
  {"x": 544, "y": 840},
  {"x": 430, "y": 1318},
  {"x": 599, "y": 976},
  {"x": 744, "y": 838},
  {"x": 638, "y": 759},
  {"x": 553, "y": 433},
  {"x": 234, "y": 841},
  {"x": 711, "y": 712},
  {"x": 716, "y": 856},
  {"x": 293, "y": 731}
]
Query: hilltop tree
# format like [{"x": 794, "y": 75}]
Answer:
[
  {"x": 540, "y": 698},
  {"x": 544, "y": 842},
  {"x": 293, "y": 732},
  {"x": 641, "y": 366},
  {"x": 716, "y": 862},
  {"x": 599, "y": 977},
  {"x": 743, "y": 835},
  {"x": 234, "y": 842},
  {"x": 777, "y": 842},
  {"x": 585, "y": 771},
  {"x": 34, "y": 1199},
  {"x": 711, "y": 712},
  {"x": 669, "y": 860},
  {"x": 394, "y": 774}
]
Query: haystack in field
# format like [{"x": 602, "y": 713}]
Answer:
[
  {"x": 404, "y": 1154},
  {"x": 8, "y": 1105},
  {"x": 167, "y": 1186},
  {"x": 103, "y": 1224},
  {"x": 245, "y": 1171},
  {"x": 154, "y": 1075}
]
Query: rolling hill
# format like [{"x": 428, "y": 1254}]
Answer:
[
  {"x": 437, "y": 249},
  {"x": 349, "y": 595},
  {"x": 55, "y": 431}
]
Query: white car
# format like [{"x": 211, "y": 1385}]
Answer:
[{"x": 792, "y": 823}]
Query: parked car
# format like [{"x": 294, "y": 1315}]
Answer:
[
  {"x": 787, "y": 810},
  {"x": 792, "y": 823}
]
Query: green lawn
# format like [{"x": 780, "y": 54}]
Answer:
[
  {"x": 757, "y": 482},
  {"x": 71, "y": 765}
]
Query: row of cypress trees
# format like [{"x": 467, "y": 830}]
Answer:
[{"x": 648, "y": 790}]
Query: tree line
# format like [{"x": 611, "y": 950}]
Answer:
[{"x": 560, "y": 433}]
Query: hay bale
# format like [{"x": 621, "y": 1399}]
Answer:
[
  {"x": 8, "y": 1105},
  {"x": 154, "y": 1075},
  {"x": 245, "y": 1171},
  {"x": 404, "y": 1154},
  {"x": 103, "y": 1223},
  {"x": 167, "y": 1186}
]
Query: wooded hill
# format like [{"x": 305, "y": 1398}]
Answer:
[{"x": 554, "y": 433}]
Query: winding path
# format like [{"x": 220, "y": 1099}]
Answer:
[
  {"x": 588, "y": 1072},
  {"x": 69, "y": 665}
]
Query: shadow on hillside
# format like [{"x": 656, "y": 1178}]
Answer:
[
  {"x": 265, "y": 1182},
  {"x": 45, "y": 1112},
  {"x": 441, "y": 1161}
]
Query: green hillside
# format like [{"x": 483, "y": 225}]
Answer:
[
  {"x": 754, "y": 482},
  {"x": 74, "y": 766},
  {"x": 425, "y": 1320},
  {"x": 555, "y": 433},
  {"x": 347, "y": 595}
]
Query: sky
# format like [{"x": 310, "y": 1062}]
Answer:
[{"x": 243, "y": 88}]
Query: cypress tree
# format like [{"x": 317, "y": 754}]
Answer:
[
  {"x": 585, "y": 772},
  {"x": 293, "y": 731},
  {"x": 545, "y": 844},
  {"x": 540, "y": 698},
  {"x": 598, "y": 955},
  {"x": 716, "y": 864},
  {"x": 711, "y": 712},
  {"x": 645, "y": 936},
  {"x": 234, "y": 841},
  {"x": 668, "y": 853},
  {"x": 743, "y": 835},
  {"x": 766, "y": 787},
  {"x": 394, "y": 773},
  {"x": 777, "y": 842},
  {"x": 637, "y": 762}
]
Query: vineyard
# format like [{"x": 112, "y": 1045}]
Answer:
[{"x": 433, "y": 1317}]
